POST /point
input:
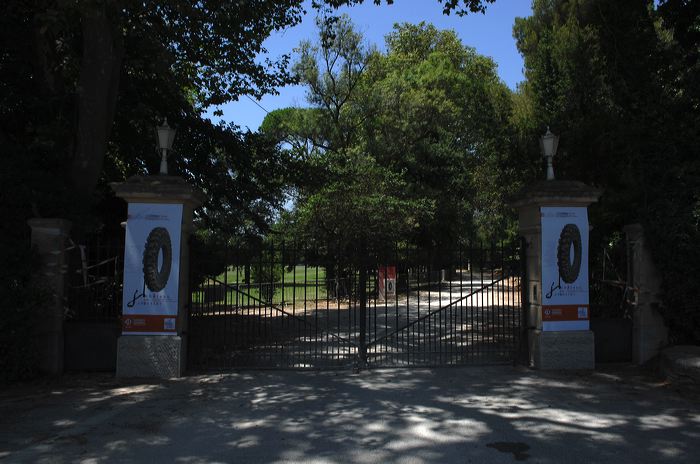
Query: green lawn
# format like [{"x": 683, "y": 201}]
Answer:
[
  {"x": 250, "y": 295},
  {"x": 299, "y": 274},
  {"x": 298, "y": 284}
]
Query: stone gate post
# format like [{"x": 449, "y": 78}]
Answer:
[
  {"x": 649, "y": 332},
  {"x": 559, "y": 336},
  {"x": 153, "y": 341},
  {"x": 49, "y": 237}
]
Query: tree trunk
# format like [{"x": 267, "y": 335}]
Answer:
[{"x": 103, "y": 52}]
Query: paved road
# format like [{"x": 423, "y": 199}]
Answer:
[{"x": 465, "y": 415}]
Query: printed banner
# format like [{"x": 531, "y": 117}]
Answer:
[
  {"x": 564, "y": 269},
  {"x": 151, "y": 269},
  {"x": 387, "y": 282}
]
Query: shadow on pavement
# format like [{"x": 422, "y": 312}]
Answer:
[{"x": 491, "y": 414}]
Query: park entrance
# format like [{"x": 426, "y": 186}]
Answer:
[{"x": 285, "y": 306}]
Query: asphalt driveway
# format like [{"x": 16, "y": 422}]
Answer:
[{"x": 465, "y": 415}]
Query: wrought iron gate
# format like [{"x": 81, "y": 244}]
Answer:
[{"x": 286, "y": 307}]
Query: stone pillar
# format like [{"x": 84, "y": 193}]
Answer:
[
  {"x": 49, "y": 236},
  {"x": 649, "y": 333},
  {"x": 550, "y": 349},
  {"x": 160, "y": 355}
]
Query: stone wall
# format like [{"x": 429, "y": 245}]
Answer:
[{"x": 649, "y": 333}]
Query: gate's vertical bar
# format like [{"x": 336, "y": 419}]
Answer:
[
  {"x": 489, "y": 302},
  {"x": 489, "y": 305},
  {"x": 373, "y": 293},
  {"x": 284, "y": 317},
  {"x": 211, "y": 312},
  {"x": 363, "y": 312},
  {"x": 451, "y": 314},
  {"x": 511, "y": 303},
  {"x": 395, "y": 344},
  {"x": 517, "y": 298},
  {"x": 497, "y": 303},
  {"x": 460, "y": 269},
  {"x": 328, "y": 355},
  {"x": 316, "y": 337},
  {"x": 483, "y": 302},
  {"x": 457, "y": 326},
  {"x": 505, "y": 296},
  {"x": 480, "y": 302},
  {"x": 501, "y": 307},
  {"x": 242, "y": 326},
  {"x": 406, "y": 334},
  {"x": 293, "y": 353},
  {"x": 246, "y": 262},
  {"x": 428, "y": 316},
  {"x": 494, "y": 302},
  {"x": 415, "y": 329},
  {"x": 307, "y": 331},
  {"x": 227, "y": 315},
  {"x": 440, "y": 323},
  {"x": 403, "y": 347},
  {"x": 260, "y": 320},
  {"x": 375, "y": 278},
  {"x": 524, "y": 303},
  {"x": 337, "y": 306},
  {"x": 352, "y": 303},
  {"x": 191, "y": 335},
  {"x": 470, "y": 300},
  {"x": 439, "y": 328},
  {"x": 386, "y": 307},
  {"x": 264, "y": 302},
  {"x": 270, "y": 294},
  {"x": 492, "y": 312}
]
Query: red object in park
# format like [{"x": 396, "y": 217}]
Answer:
[{"x": 387, "y": 282}]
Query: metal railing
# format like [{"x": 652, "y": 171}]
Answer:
[
  {"x": 94, "y": 279},
  {"x": 286, "y": 308}
]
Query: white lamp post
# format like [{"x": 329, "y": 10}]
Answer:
[
  {"x": 548, "y": 144},
  {"x": 165, "y": 136}
]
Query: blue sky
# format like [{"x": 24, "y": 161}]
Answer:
[{"x": 490, "y": 34}]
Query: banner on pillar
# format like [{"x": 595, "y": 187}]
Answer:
[
  {"x": 564, "y": 268},
  {"x": 151, "y": 269}
]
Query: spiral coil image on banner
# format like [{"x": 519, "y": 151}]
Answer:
[
  {"x": 157, "y": 245},
  {"x": 569, "y": 238}
]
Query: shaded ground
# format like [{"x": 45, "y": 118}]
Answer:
[{"x": 460, "y": 415}]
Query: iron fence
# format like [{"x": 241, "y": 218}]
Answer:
[
  {"x": 94, "y": 280},
  {"x": 286, "y": 306}
]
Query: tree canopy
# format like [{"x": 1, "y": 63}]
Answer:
[{"x": 428, "y": 120}]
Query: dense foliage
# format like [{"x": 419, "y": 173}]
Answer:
[{"x": 619, "y": 82}]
